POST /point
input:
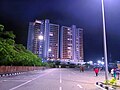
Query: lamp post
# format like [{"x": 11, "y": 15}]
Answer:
[{"x": 105, "y": 44}]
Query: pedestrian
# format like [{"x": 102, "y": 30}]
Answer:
[
  {"x": 82, "y": 68},
  {"x": 109, "y": 70},
  {"x": 118, "y": 75},
  {"x": 112, "y": 72},
  {"x": 96, "y": 70}
]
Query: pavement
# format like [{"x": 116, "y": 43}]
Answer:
[{"x": 53, "y": 79}]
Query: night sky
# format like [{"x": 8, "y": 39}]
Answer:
[{"x": 15, "y": 15}]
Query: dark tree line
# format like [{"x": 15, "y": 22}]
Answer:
[{"x": 15, "y": 54}]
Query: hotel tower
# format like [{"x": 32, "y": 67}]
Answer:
[
  {"x": 71, "y": 44},
  {"x": 43, "y": 40}
]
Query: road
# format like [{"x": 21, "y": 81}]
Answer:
[{"x": 52, "y": 79}]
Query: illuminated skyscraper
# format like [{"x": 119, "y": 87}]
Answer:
[
  {"x": 71, "y": 47},
  {"x": 35, "y": 35},
  {"x": 43, "y": 39}
]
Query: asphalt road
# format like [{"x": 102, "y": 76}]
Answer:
[{"x": 52, "y": 79}]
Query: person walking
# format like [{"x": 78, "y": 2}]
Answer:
[
  {"x": 80, "y": 68},
  {"x": 96, "y": 70},
  {"x": 114, "y": 73}
]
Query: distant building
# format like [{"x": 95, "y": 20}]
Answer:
[
  {"x": 71, "y": 47},
  {"x": 53, "y": 45},
  {"x": 35, "y": 38},
  {"x": 43, "y": 40}
]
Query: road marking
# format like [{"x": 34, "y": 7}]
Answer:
[
  {"x": 14, "y": 80},
  {"x": 60, "y": 81},
  {"x": 21, "y": 85},
  {"x": 79, "y": 86},
  {"x": 60, "y": 88},
  {"x": 73, "y": 73},
  {"x": 29, "y": 81},
  {"x": 60, "y": 77},
  {"x": 100, "y": 87}
]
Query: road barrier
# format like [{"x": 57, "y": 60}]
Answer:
[
  {"x": 103, "y": 86},
  {"x": 15, "y": 70}
]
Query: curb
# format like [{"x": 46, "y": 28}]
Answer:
[
  {"x": 103, "y": 86},
  {"x": 10, "y": 74},
  {"x": 15, "y": 73}
]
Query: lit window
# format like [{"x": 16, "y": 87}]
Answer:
[
  {"x": 68, "y": 39},
  {"x": 37, "y": 21},
  {"x": 68, "y": 28},
  {"x": 69, "y": 47},
  {"x": 68, "y": 32},
  {"x": 49, "y": 49},
  {"x": 51, "y": 33}
]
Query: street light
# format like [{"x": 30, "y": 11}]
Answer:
[
  {"x": 40, "y": 37},
  {"x": 91, "y": 62},
  {"x": 105, "y": 44},
  {"x": 102, "y": 63},
  {"x": 99, "y": 62}
]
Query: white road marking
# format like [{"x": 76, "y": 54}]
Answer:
[
  {"x": 60, "y": 77},
  {"x": 14, "y": 80},
  {"x": 73, "y": 73},
  {"x": 60, "y": 81},
  {"x": 21, "y": 85},
  {"x": 79, "y": 86},
  {"x": 29, "y": 81},
  {"x": 60, "y": 88},
  {"x": 100, "y": 87}
]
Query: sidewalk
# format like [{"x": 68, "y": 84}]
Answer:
[{"x": 109, "y": 87}]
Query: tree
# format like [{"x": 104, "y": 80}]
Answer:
[
  {"x": 15, "y": 54},
  {"x": 1, "y": 27}
]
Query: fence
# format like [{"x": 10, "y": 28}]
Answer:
[{"x": 14, "y": 69}]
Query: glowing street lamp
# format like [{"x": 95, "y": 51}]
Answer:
[
  {"x": 99, "y": 62},
  {"x": 40, "y": 37},
  {"x": 91, "y": 62},
  {"x": 102, "y": 63}
]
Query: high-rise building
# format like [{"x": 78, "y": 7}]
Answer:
[
  {"x": 66, "y": 43},
  {"x": 35, "y": 35},
  {"x": 43, "y": 39},
  {"x": 71, "y": 47}
]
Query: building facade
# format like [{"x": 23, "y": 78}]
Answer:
[
  {"x": 71, "y": 47},
  {"x": 43, "y": 40},
  {"x": 66, "y": 43}
]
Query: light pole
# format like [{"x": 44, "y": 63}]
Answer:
[{"x": 105, "y": 44}]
